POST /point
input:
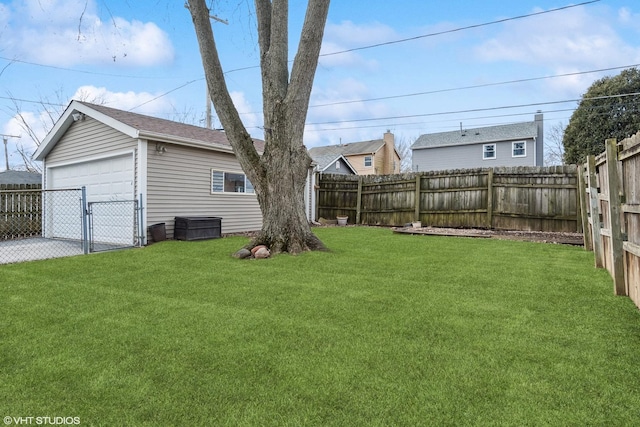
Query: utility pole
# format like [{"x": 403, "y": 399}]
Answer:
[
  {"x": 209, "y": 126},
  {"x": 208, "y": 111},
  {"x": 5, "y": 139}
]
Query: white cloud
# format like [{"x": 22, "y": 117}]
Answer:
[
  {"x": 627, "y": 17},
  {"x": 577, "y": 36},
  {"x": 342, "y": 59},
  {"x": 350, "y": 91},
  {"x": 574, "y": 40},
  {"x": 351, "y": 34},
  {"x": 142, "y": 102},
  {"x": 37, "y": 126},
  {"x": 250, "y": 118},
  {"x": 347, "y": 35},
  {"x": 69, "y": 32},
  {"x": 39, "y": 121}
]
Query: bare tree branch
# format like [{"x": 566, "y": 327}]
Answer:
[{"x": 553, "y": 147}]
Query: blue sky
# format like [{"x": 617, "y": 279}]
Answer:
[{"x": 143, "y": 56}]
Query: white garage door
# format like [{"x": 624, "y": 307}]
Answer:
[{"x": 106, "y": 180}]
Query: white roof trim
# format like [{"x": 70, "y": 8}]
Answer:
[
  {"x": 66, "y": 120},
  {"x": 346, "y": 161}
]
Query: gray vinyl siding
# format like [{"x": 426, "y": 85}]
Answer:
[
  {"x": 90, "y": 139},
  {"x": 470, "y": 156},
  {"x": 343, "y": 170},
  {"x": 179, "y": 184}
]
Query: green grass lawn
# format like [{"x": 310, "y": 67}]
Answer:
[{"x": 383, "y": 330}]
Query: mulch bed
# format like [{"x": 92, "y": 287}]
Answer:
[
  {"x": 530, "y": 236},
  {"x": 564, "y": 238}
]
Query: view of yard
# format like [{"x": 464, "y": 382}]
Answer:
[{"x": 384, "y": 329}]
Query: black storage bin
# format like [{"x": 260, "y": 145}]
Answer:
[
  {"x": 158, "y": 232},
  {"x": 197, "y": 227}
]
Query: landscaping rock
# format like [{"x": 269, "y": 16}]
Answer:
[
  {"x": 256, "y": 248},
  {"x": 262, "y": 253},
  {"x": 242, "y": 253}
]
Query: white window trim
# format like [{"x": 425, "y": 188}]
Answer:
[
  {"x": 513, "y": 149},
  {"x": 245, "y": 193},
  {"x": 370, "y": 161},
  {"x": 484, "y": 151}
]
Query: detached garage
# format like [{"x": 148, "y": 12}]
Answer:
[{"x": 140, "y": 170}]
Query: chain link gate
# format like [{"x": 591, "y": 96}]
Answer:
[
  {"x": 41, "y": 224},
  {"x": 44, "y": 224},
  {"x": 113, "y": 224}
]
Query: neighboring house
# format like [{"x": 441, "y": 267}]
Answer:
[
  {"x": 174, "y": 169},
  {"x": 20, "y": 177},
  {"x": 378, "y": 156},
  {"x": 327, "y": 161},
  {"x": 331, "y": 160},
  {"x": 518, "y": 144}
]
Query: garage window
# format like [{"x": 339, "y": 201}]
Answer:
[{"x": 230, "y": 182}]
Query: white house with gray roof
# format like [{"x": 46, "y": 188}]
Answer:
[{"x": 517, "y": 144}]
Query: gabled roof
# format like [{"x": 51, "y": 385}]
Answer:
[
  {"x": 331, "y": 152},
  {"x": 324, "y": 160},
  {"x": 139, "y": 126},
  {"x": 20, "y": 177},
  {"x": 511, "y": 132}
]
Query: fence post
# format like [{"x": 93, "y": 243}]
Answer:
[
  {"x": 141, "y": 229},
  {"x": 595, "y": 211},
  {"x": 416, "y": 213},
  {"x": 617, "y": 254},
  {"x": 490, "y": 199},
  {"x": 85, "y": 232},
  {"x": 359, "y": 200},
  {"x": 584, "y": 207}
]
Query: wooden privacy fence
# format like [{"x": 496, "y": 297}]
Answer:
[
  {"x": 522, "y": 198},
  {"x": 20, "y": 211},
  {"x": 611, "y": 201}
]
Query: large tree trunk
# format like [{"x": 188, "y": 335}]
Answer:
[{"x": 278, "y": 175}]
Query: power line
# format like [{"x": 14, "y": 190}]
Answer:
[
  {"x": 32, "y": 102},
  {"x": 439, "y": 33},
  {"x": 74, "y": 70},
  {"x": 388, "y": 125},
  {"x": 475, "y": 110},
  {"x": 345, "y": 51},
  {"x": 164, "y": 94},
  {"x": 382, "y": 98}
]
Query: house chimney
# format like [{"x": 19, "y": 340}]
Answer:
[{"x": 390, "y": 163}]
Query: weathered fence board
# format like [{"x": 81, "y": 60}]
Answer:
[
  {"x": 614, "y": 213},
  {"x": 20, "y": 211},
  {"x": 541, "y": 199}
]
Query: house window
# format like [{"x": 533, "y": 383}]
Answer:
[
  {"x": 489, "y": 151},
  {"x": 368, "y": 161},
  {"x": 229, "y": 182},
  {"x": 519, "y": 149},
  {"x": 337, "y": 164}
]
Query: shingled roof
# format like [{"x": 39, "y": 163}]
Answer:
[
  {"x": 510, "y": 132},
  {"x": 329, "y": 153},
  {"x": 20, "y": 177},
  {"x": 140, "y": 126}
]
